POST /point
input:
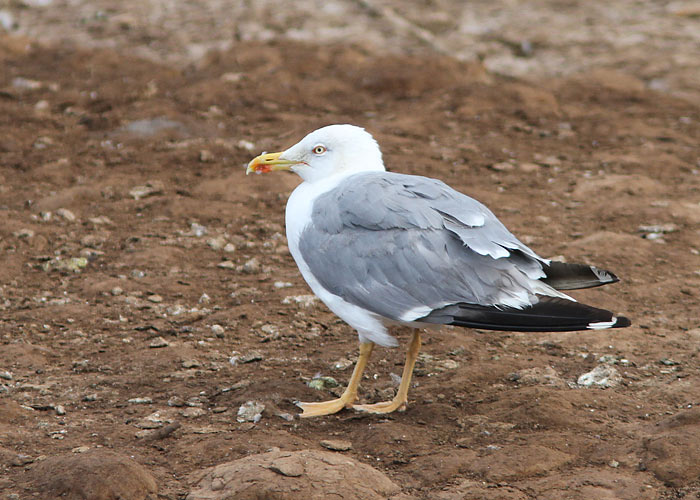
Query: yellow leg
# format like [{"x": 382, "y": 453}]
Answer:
[
  {"x": 401, "y": 399},
  {"x": 349, "y": 395}
]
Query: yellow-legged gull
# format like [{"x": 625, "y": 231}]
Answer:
[{"x": 381, "y": 248}]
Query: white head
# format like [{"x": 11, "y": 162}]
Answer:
[{"x": 328, "y": 151}]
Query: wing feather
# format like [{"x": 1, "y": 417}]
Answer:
[{"x": 393, "y": 243}]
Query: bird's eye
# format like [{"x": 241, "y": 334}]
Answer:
[{"x": 319, "y": 150}]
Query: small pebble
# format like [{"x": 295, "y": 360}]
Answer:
[
  {"x": 206, "y": 156},
  {"x": 216, "y": 243},
  {"x": 217, "y": 484},
  {"x": 601, "y": 376},
  {"x": 117, "y": 291},
  {"x": 101, "y": 220},
  {"x": 218, "y": 330},
  {"x": 323, "y": 383},
  {"x": 90, "y": 397},
  {"x": 191, "y": 363},
  {"x": 250, "y": 411},
  {"x": 151, "y": 188},
  {"x": 6, "y": 375},
  {"x": 336, "y": 444},
  {"x": 66, "y": 214},
  {"x": 204, "y": 299},
  {"x": 156, "y": 299},
  {"x": 176, "y": 401},
  {"x": 158, "y": 342},
  {"x": 24, "y": 233},
  {"x": 227, "y": 264},
  {"x": 198, "y": 230},
  {"x": 282, "y": 284},
  {"x": 302, "y": 300},
  {"x": 252, "y": 266},
  {"x": 60, "y": 410},
  {"x": 342, "y": 364},
  {"x": 193, "y": 412},
  {"x": 141, "y": 401},
  {"x": 229, "y": 248}
]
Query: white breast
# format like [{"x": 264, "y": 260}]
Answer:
[{"x": 297, "y": 216}]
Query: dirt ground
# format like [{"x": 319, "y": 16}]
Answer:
[{"x": 147, "y": 293}]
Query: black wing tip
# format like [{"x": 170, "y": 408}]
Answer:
[
  {"x": 606, "y": 277},
  {"x": 622, "y": 322},
  {"x": 565, "y": 276},
  {"x": 550, "y": 314}
]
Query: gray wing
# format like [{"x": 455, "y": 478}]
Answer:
[{"x": 401, "y": 246}]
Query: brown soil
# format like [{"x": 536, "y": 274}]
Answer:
[{"x": 95, "y": 273}]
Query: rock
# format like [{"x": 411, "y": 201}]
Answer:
[
  {"x": 281, "y": 284},
  {"x": 149, "y": 189},
  {"x": 658, "y": 228},
  {"x": 5, "y": 375},
  {"x": 336, "y": 444},
  {"x": 72, "y": 265},
  {"x": 95, "y": 474},
  {"x": 66, "y": 214},
  {"x": 101, "y": 220},
  {"x": 243, "y": 144},
  {"x": 197, "y": 230},
  {"x": 24, "y": 233},
  {"x": 204, "y": 298},
  {"x": 193, "y": 412},
  {"x": 341, "y": 364},
  {"x": 227, "y": 264},
  {"x": 252, "y": 266},
  {"x": 206, "y": 156},
  {"x": 304, "y": 301},
  {"x": 250, "y": 412},
  {"x": 218, "y": 331},
  {"x": 600, "y": 376},
  {"x": 295, "y": 475},
  {"x": 7, "y": 20},
  {"x": 216, "y": 243},
  {"x": 191, "y": 363},
  {"x": 528, "y": 168},
  {"x": 22, "y": 83},
  {"x": 229, "y": 248},
  {"x": 446, "y": 364},
  {"x": 156, "y": 299},
  {"x": 249, "y": 357},
  {"x": 503, "y": 166},
  {"x": 323, "y": 383},
  {"x": 176, "y": 401},
  {"x": 141, "y": 401},
  {"x": 158, "y": 342},
  {"x": 287, "y": 466}
]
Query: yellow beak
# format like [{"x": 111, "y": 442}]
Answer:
[{"x": 268, "y": 162}]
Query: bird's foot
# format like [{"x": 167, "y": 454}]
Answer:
[
  {"x": 384, "y": 407},
  {"x": 322, "y": 408}
]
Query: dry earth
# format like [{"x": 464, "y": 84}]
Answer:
[{"x": 138, "y": 261}]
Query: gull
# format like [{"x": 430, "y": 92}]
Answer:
[{"x": 382, "y": 249}]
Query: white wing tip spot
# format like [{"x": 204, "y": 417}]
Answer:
[{"x": 601, "y": 325}]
